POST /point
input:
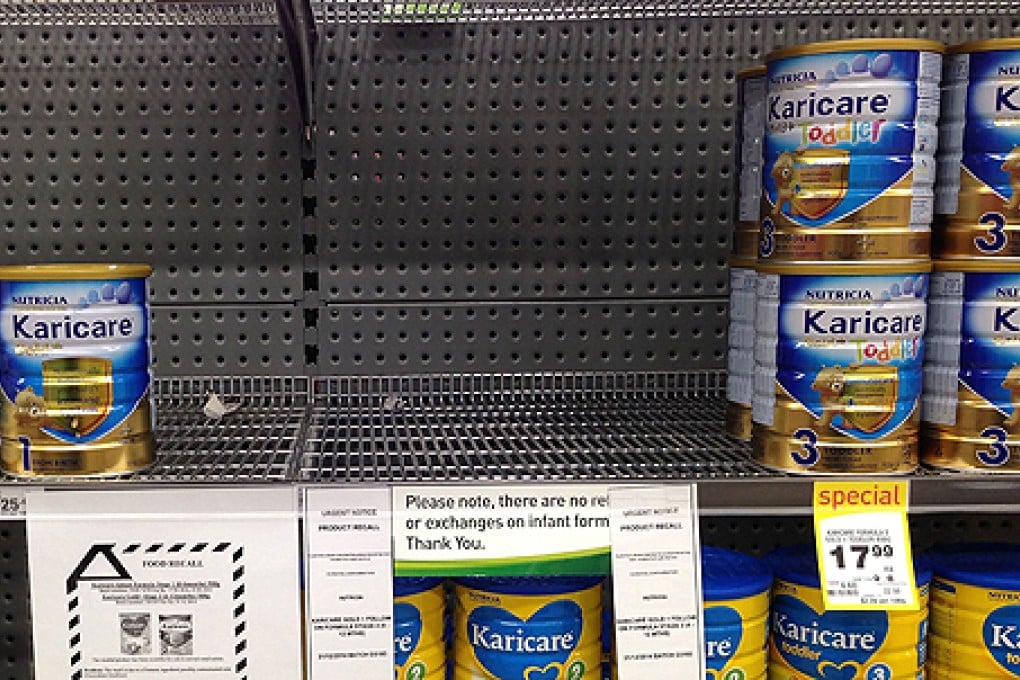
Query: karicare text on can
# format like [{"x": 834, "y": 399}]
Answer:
[
  {"x": 978, "y": 192},
  {"x": 518, "y": 628},
  {"x": 809, "y": 643},
  {"x": 975, "y": 613},
  {"x": 75, "y": 372},
  {"x": 419, "y": 628},
  {"x": 850, "y": 140},
  {"x": 838, "y": 367},
  {"x": 971, "y": 408}
]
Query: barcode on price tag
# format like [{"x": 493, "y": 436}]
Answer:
[
  {"x": 12, "y": 502},
  {"x": 863, "y": 542}
]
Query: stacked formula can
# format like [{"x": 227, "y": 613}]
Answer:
[
  {"x": 971, "y": 419},
  {"x": 740, "y": 355},
  {"x": 843, "y": 260}
]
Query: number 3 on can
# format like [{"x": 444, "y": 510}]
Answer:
[
  {"x": 999, "y": 453},
  {"x": 767, "y": 244},
  {"x": 996, "y": 238},
  {"x": 808, "y": 456}
]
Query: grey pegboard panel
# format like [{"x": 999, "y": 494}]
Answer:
[
  {"x": 176, "y": 145},
  {"x": 640, "y": 335},
  {"x": 216, "y": 340},
  {"x": 519, "y": 161},
  {"x": 15, "y": 631},
  {"x": 441, "y": 11}
]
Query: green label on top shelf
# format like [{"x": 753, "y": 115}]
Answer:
[{"x": 540, "y": 529}]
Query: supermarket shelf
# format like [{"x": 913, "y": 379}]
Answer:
[
  {"x": 256, "y": 443},
  {"x": 489, "y": 430},
  {"x": 591, "y": 427}
]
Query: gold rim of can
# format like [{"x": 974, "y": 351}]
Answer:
[
  {"x": 844, "y": 268},
  {"x": 834, "y": 46},
  {"x": 758, "y": 71},
  {"x": 986, "y": 45},
  {"x": 73, "y": 272},
  {"x": 1002, "y": 264},
  {"x": 743, "y": 262}
]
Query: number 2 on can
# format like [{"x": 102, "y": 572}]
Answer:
[{"x": 996, "y": 238}]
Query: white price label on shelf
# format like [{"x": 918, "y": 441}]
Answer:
[
  {"x": 656, "y": 582},
  {"x": 12, "y": 501},
  {"x": 157, "y": 584},
  {"x": 349, "y": 586},
  {"x": 863, "y": 543}
]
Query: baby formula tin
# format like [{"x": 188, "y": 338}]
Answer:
[
  {"x": 75, "y": 369},
  {"x": 750, "y": 137},
  {"x": 978, "y": 192},
  {"x": 740, "y": 354},
  {"x": 808, "y": 642},
  {"x": 419, "y": 622},
  {"x": 850, "y": 140},
  {"x": 838, "y": 367},
  {"x": 508, "y": 628},
  {"x": 735, "y": 590},
  {"x": 975, "y": 613},
  {"x": 971, "y": 410}
]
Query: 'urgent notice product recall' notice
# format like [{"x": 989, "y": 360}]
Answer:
[{"x": 165, "y": 584}]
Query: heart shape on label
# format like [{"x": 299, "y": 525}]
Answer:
[
  {"x": 1001, "y": 633},
  {"x": 844, "y": 671},
  {"x": 511, "y": 648},
  {"x": 724, "y": 628},
  {"x": 816, "y": 644},
  {"x": 550, "y": 672},
  {"x": 406, "y": 632}
]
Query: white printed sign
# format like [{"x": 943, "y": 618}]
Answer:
[
  {"x": 540, "y": 528},
  {"x": 349, "y": 587},
  {"x": 656, "y": 582},
  {"x": 147, "y": 585}
]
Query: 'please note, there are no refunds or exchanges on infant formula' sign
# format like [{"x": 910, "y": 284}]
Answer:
[{"x": 501, "y": 530}]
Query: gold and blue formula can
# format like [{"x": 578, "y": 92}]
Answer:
[
  {"x": 851, "y": 133},
  {"x": 735, "y": 590},
  {"x": 808, "y": 642},
  {"x": 74, "y": 370},
  {"x": 975, "y": 613},
  {"x": 419, "y": 628},
  {"x": 740, "y": 351},
  {"x": 751, "y": 88},
  {"x": 971, "y": 410},
  {"x": 526, "y": 628},
  {"x": 838, "y": 367},
  {"x": 978, "y": 193}
]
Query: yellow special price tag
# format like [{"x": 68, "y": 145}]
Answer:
[{"x": 863, "y": 543}]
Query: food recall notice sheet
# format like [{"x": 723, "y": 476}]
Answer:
[{"x": 189, "y": 583}]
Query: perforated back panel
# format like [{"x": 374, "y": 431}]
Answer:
[
  {"x": 15, "y": 632},
  {"x": 467, "y": 170}
]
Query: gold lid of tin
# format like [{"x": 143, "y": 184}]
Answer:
[
  {"x": 73, "y": 272},
  {"x": 986, "y": 45},
  {"x": 832, "y": 46},
  {"x": 845, "y": 268},
  {"x": 752, "y": 72},
  {"x": 991, "y": 264}
]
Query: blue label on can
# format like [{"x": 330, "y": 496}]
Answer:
[
  {"x": 844, "y": 128},
  {"x": 991, "y": 138},
  {"x": 990, "y": 339},
  {"x": 83, "y": 343},
  {"x": 850, "y": 349}
]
